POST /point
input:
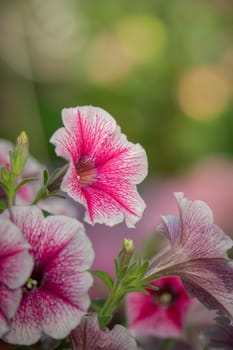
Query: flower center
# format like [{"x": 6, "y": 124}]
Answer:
[
  {"x": 166, "y": 298},
  {"x": 86, "y": 171},
  {"x": 30, "y": 284},
  {"x": 34, "y": 281},
  {"x": 163, "y": 296}
]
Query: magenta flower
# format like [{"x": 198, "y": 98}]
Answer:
[
  {"x": 15, "y": 267},
  {"x": 162, "y": 312},
  {"x": 88, "y": 336},
  {"x": 220, "y": 335},
  {"x": 32, "y": 169},
  {"x": 198, "y": 254},
  {"x": 104, "y": 167},
  {"x": 55, "y": 296}
]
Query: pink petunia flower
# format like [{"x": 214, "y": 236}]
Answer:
[
  {"x": 104, "y": 167},
  {"x": 32, "y": 169},
  {"x": 15, "y": 267},
  {"x": 88, "y": 336},
  {"x": 198, "y": 254},
  {"x": 220, "y": 335},
  {"x": 162, "y": 312},
  {"x": 55, "y": 296}
]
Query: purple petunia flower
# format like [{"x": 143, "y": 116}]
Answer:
[
  {"x": 198, "y": 254},
  {"x": 104, "y": 167},
  {"x": 161, "y": 313},
  {"x": 15, "y": 267},
  {"x": 220, "y": 335},
  {"x": 88, "y": 336},
  {"x": 55, "y": 296}
]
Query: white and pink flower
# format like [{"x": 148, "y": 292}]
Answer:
[
  {"x": 198, "y": 254},
  {"x": 88, "y": 336},
  {"x": 160, "y": 313},
  {"x": 56, "y": 295},
  {"x": 104, "y": 167},
  {"x": 15, "y": 267}
]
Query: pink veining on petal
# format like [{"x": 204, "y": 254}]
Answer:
[
  {"x": 15, "y": 267},
  {"x": 104, "y": 166},
  {"x": 88, "y": 336},
  {"x": 59, "y": 282},
  {"x": 198, "y": 255}
]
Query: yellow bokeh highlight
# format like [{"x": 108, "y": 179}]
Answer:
[
  {"x": 106, "y": 60},
  {"x": 203, "y": 93},
  {"x": 144, "y": 36},
  {"x": 112, "y": 56}
]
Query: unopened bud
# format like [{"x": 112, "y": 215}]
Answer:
[
  {"x": 22, "y": 141},
  {"x": 128, "y": 245},
  {"x": 125, "y": 255},
  {"x": 19, "y": 156}
]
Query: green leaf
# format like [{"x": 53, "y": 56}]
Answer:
[
  {"x": 132, "y": 270},
  {"x": 45, "y": 177},
  {"x": 4, "y": 186},
  {"x": 150, "y": 286},
  {"x": 98, "y": 304},
  {"x": 104, "y": 320},
  {"x": 150, "y": 279},
  {"x": 116, "y": 268},
  {"x": 25, "y": 181},
  {"x": 104, "y": 276},
  {"x": 3, "y": 205},
  {"x": 5, "y": 175},
  {"x": 139, "y": 289},
  {"x": 142, "y": 270}
]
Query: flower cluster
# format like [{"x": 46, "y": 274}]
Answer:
[{"x": 45, "y": 259}]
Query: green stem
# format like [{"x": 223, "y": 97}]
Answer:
[
  {"x": 110, "y": 304},
  {"x": 167, "y": 344},
  {"x": 11, "y": 192}
]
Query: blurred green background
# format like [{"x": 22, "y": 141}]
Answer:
[{"x": 163, "y": 69}]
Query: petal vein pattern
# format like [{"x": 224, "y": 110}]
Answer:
[
  {"x": 56, "y": 295},
  {"x": 198, "y": 255},
  {"x": 104, "y": 166}
]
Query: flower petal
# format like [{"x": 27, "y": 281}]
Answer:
[
  {"x": 88, "y": 336},
  {"x": 104, "y": 166},
  {"x": 9, "y": 302},
  {"x": 62, "y": 255},
  {"x": 15, "y": 261},
  {"x": 26, "y": 325}
]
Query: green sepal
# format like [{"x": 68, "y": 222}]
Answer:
[
  {"x": 104, "y": 320},
  {"x": 3, "y": 205},
  {"x": 4, "y": 186},
  {"x": 150, "y": 279},
  {"x": 5, "y": 174},
  {"x": 141, "y": 271},
  {"x": 104, "y": 276},
  {"x": 139, "y": 289},
  {"x": 25, "y": 181},
  {"x": 45, "y": 177},
  {"x": 150, "y": 286},
  {"x": 97, "y": 304}
]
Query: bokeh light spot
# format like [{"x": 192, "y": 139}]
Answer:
[
  {"x": 106, "y": 60},
  {"x": 144, "y": 36},
  {"x": 203, "y": 93}
]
